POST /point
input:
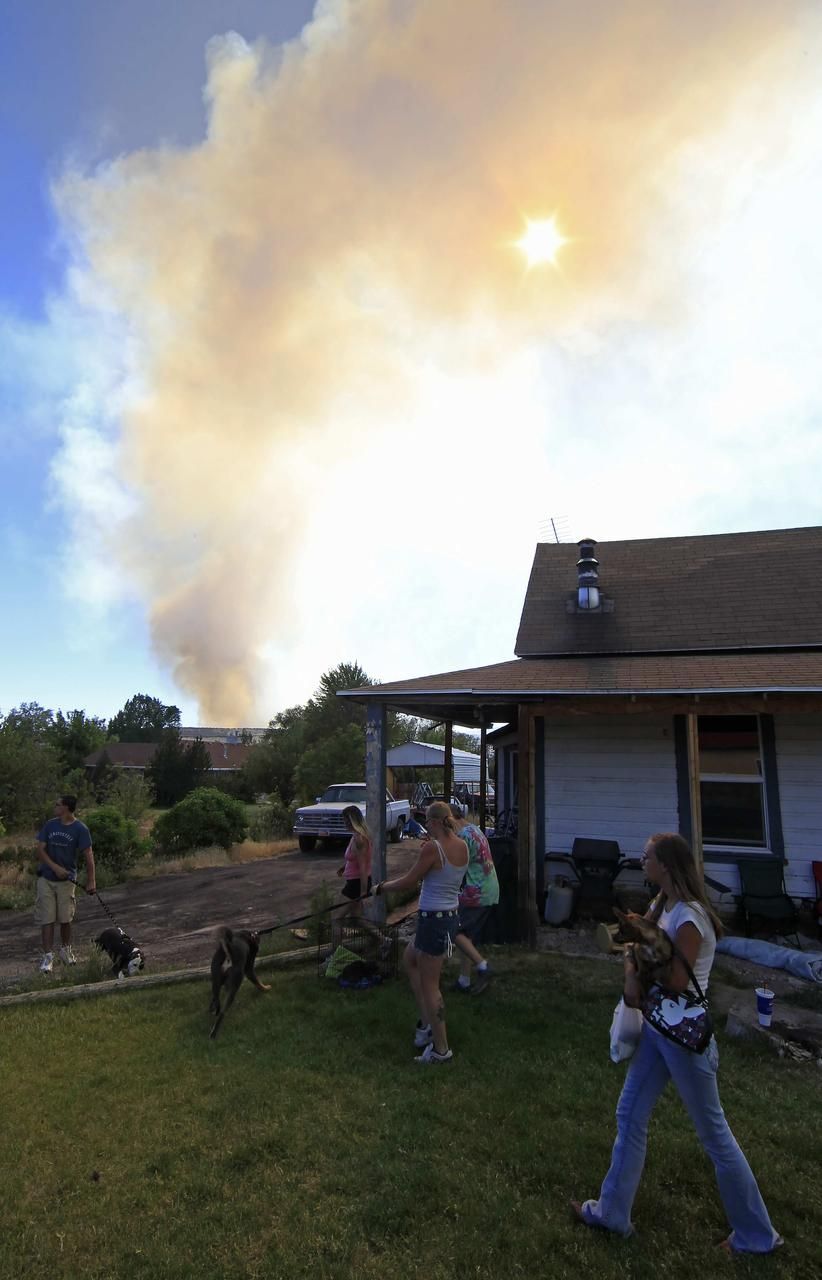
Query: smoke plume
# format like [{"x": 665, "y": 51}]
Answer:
[{"x": 289, "y": 290}]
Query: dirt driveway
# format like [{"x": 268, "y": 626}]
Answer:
[{"x": 173, "y": 917}]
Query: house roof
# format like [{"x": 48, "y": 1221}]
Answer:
[
  {"x": 786, "y": 672},
  {"x": 734, "y": 614},
  {"x": 664, "y": 595},
  {"x": 499, "y": 687},
  {"x": 137, "y": 755}
]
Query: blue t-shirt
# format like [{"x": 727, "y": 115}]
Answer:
[{"x": 63, "y": 841}]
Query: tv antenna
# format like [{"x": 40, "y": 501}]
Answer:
[{"x": 555, "y": 529}]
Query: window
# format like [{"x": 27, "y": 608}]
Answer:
[{"x": 732, "y": 782}]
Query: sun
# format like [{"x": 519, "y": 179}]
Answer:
[{"x": 541, "y": 242}]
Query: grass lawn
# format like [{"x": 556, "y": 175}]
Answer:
[{"x": 306, "y": 1143}]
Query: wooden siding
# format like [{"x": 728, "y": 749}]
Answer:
[{"x": 610, "y": 777}]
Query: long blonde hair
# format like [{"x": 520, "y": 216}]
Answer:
[
  {"x": 674, "y": 852},
  {"x": 356, "y": 821},
  {"x": 441, "y": 812}
]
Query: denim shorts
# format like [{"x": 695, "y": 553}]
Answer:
[{"x": 435, "y": 931}]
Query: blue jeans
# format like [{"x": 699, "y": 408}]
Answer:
[{"x": 655, "y": 1062}]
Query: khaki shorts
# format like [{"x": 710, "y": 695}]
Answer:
[{"x": 54, "y": 901}]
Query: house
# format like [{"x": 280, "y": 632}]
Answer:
[
  {"x": 134, "y": 757},
  {"x": 658, "y": 684},
  {"x": 189, "y": 733}
]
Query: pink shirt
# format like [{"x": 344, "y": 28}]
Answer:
[{"x": 352, "y": 865}]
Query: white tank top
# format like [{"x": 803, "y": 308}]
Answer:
[{"x": 441, "y": 886}]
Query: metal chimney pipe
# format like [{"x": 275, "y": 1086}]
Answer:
[{"x": 587, "y": 575}]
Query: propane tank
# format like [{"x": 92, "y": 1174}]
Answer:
[{"x": 559, "y": 901}]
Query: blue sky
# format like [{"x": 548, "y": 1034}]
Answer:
[
  {"x": 80, "y": 77},
  {"x": 276, "y": 387}
]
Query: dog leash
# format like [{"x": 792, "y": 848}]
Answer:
[
  {"x": 96, "y": 895},
  {"x": 324, "y": 910}
]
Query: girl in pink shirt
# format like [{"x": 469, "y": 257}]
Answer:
[{"x": 356, "y": 868}]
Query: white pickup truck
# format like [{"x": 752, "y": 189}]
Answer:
[{"x": 324, "y": 820}]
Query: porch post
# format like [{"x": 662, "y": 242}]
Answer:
[
  {"x": 375, "y": 797},
  {"x": 693, "y": 787},
  {"x": 526, "y": 851},
  {"x": 483, "y": 781},
  {"x": 448, "y": 760}
]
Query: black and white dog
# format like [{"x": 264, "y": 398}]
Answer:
[{"x": 126, "y": 955}]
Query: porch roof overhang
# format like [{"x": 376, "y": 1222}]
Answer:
[{"x": 606, "y": 682}]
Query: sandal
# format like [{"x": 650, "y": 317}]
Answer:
[
  {"x": 578, "y": 1214},
  {"x": 728, "y": 1249}
]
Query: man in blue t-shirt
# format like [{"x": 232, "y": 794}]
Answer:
[{"x": 58, "y": 843}]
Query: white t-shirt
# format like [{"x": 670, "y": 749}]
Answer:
[{"x": 691, "y": 912}]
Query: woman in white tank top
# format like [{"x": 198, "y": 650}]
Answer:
[
  {"x": 441, "y": 866},
  {"x": 690, "y": 921}
]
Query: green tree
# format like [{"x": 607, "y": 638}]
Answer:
[
  {"x": 130, "y": 793},
  {"x": 338, "y": 758},
  {"x": 143, "y": 719},
  {"x": 75, "y": 736},
  {"x": 30, "y": 769},
  {"x": 205, "y": 817},
  {"x": 271, "y": 764},
  {"x": 177, "y": 767},
  {"x": 307, "y": 747}
]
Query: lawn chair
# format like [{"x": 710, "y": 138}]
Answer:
[
  {"x": 763, "y": 898},
  {"x": 595, "y": 865}
]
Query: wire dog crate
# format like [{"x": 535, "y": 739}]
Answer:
[{"x": 356, "y": 953}]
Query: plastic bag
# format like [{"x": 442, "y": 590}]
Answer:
[{"x": 626, "y": 1028}]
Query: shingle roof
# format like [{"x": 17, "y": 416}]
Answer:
[
  {"x": 791, "y": 672},
  {"x": 715, "y": 591}
]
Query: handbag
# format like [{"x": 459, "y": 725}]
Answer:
[
  {"x": 626, "y": 1028},
  {"x": 681, "y": 1016}
]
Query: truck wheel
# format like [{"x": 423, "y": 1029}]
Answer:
[
  {"x": 397, "y": 833},
  {"x": 307, "y": 843}
]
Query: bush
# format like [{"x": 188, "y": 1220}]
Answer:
[
  {"x": 318, "y": 927},
  {"x": 115, "y": 838},
  {"x": 207, "y": 816},
  {"x": 271, "y": 822},
  {"x": 22, "y": 854},
  {"x": 131, "y": 794},
  {"x": 234, "y": 784}
]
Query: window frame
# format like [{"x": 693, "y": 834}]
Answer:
[
  {"x": 719, "y": 847},
  {"x": 728, "y": 853}
]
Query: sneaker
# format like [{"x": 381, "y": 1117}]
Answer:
[
  {"x": 430, "y": 1057},
  {"x": 47, "y": 962},
  {"x": 423, "y": 1036},
  {"x": 67, "y": 956},
  {"x": 458, "y": 986},
  {"x": 483, "y": 981}
]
